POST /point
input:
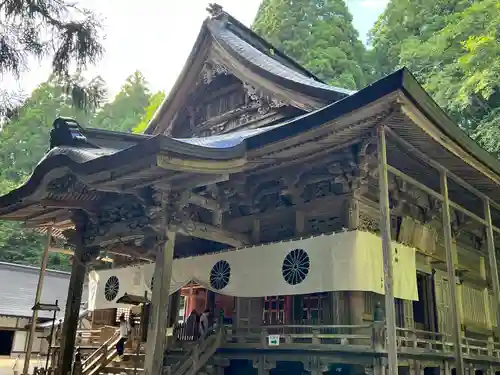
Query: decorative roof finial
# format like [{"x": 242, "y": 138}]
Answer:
[{"x": 215, "y": 10}]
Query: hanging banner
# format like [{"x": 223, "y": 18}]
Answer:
[{"x": 347, "y": 261}]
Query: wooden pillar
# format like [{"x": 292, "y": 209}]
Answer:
[
  {"x": 157, "y": 329},
  {"x": 493, "y": 263},
  {"x": 34, "y": 318},
  {"x": 175, "y": 301},
  {"x": 356, "y": 299},
  {"x": 485, "y": 293},
  {"x": 450, "y": 266},
  {"x": 385, "y": 231},
  {"x": 211, "y": 302},
  {"x": 81, "y": 258}
]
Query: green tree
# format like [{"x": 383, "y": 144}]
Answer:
[
  {"x": 318, "y": 34},
  {"x": 25, "y": 139},
  {"x": 407, "y": 19},
  {"x": 154, "y": 103},
  {"x": 460, "y": 67},
  {"x": 127, "y": 108},
  {"x": 48, "y": 28}
]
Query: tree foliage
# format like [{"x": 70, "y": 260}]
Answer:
[
  {"x": 403, "y": 20},
  {"x": 42, "y": 28},
  {"x": 127, "y": 108},
  {"x": 458, "y": 63},
  {"x": 318, "y": 34},
  {"x": 25, "y": 139},
  {"x": 153, "y": 104}
]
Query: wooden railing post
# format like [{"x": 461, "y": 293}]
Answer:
[
  {"x": 378, "y": 329},
  {"x": 263, "y": 337},
  {"x": 315, "y": 339},
  {"x": 413, "y": 338}
]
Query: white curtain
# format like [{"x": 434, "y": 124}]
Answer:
[{"x": 348, "y": 261}]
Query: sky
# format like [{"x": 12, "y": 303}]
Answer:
[{"x": 156, "y": 36}]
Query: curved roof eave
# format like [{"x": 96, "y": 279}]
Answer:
[
  {"x": 272, "y": 69},
  {"x": 402, "y": 80},
  {"x": 237, "y": 144},
  {"x": 85, "y": 162}
]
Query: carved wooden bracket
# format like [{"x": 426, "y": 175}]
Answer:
[
  {"x": 406, "y": 199},
  {"x": 354, "y": 172}
]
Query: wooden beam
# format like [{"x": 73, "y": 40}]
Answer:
[
  {"x": 450, "y": 266},
  {"x": 212, "y": 233}
]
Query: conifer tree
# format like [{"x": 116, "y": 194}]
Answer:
[
  {"x": 55, "y": 29},
  {"x": 319, "y": 35}
]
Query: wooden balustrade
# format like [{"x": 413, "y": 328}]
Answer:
[
  {"x": 88, "y": 337},
  {"x": 102, "y": 356},
  {"x": 362, "y": 338},
  {"x": 199, "y": 353}
]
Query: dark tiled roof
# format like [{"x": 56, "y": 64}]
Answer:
[
  {"x": 254, "y": 56},
  {"x": 77, "y": 154},
  {"x": 18, "y": 287}
]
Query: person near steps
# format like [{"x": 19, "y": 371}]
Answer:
[
  {"x": 204, "y": 323},
  {"x": 124, "y": 331}
]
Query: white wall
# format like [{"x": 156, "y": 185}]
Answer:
[
  {"x": 8, "y": 322},
  {"x": 19, "y": 341}
]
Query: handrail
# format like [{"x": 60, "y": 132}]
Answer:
[
  {"x": 104, "y": 353},
  {"x": 199, "y": 355}
]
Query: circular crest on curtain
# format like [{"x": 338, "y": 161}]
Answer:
[
  {"x": 295, "y": 266},
  {"x": 111, "y": 288},
  {"x": 220, "y": 275}
]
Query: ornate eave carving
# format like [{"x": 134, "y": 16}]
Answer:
[
  {"x": 211, "y": 70},
  {"x": 356, "y": 171},
  {"x": 266, "y": 101},
  {"x": 257, "y": 106}
]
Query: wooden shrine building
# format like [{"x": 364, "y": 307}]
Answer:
[{"x": 308, "y": 207}]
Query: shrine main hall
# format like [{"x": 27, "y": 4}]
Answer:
[{"x": 327, "y": 230}]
